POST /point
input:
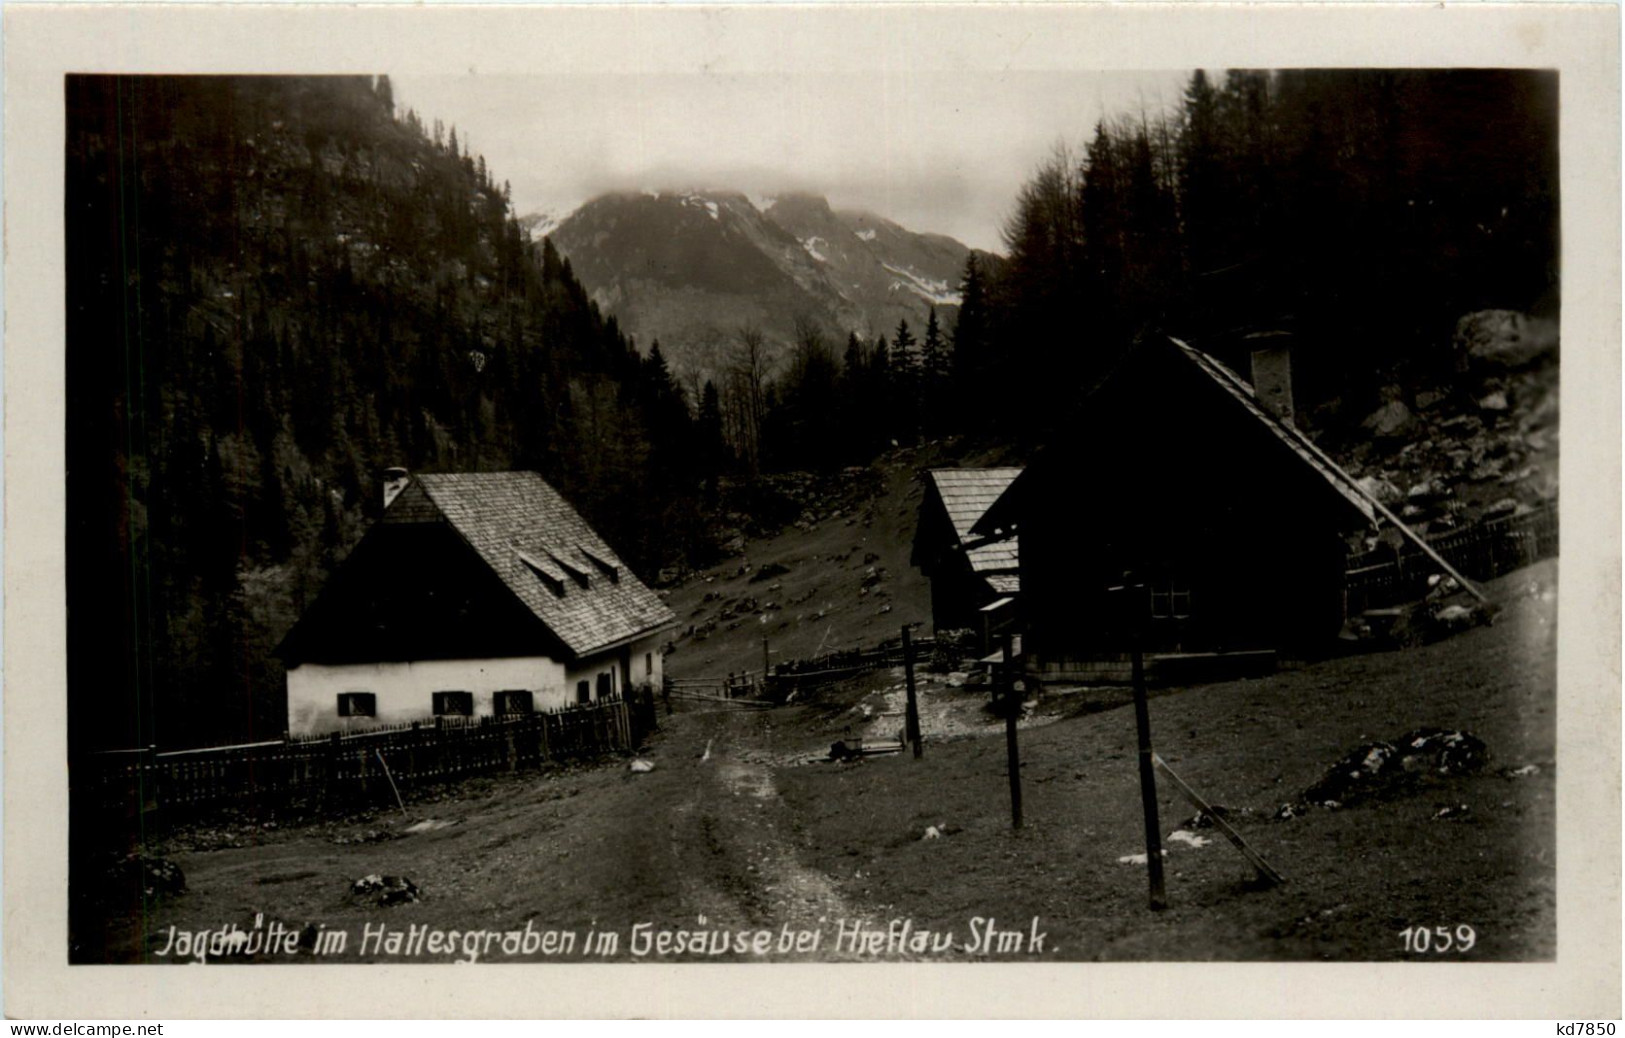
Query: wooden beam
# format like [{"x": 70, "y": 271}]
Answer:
[{"x": 1219, "y": 823}]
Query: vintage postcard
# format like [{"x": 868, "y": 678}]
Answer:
[{"x": 685, "y": 500}]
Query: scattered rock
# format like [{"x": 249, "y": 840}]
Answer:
[
  {"x": 1505, "y": 338},
  {"x": 1203, "y": 820},
  {"x": 1525, "y": 771},
  {"x": 1452, "y": 812},
  {"x": 641, "y": 766},
  {"x": 1428, "y": 399},
  {"x": 1186, "y": 837},
  {"x": 1381, "y": 489},
  {"x": 932, "y": 833},
  {"x": 158, "y": 875},
  {"x": 1390, "y": 421},
  {"x": 1383, "y": 768},
  {"x": 391, "y": 890},
  {"x": 1490, "y": 468},
  {"x": 428, "y": 825},
  {"x": 1138, "y": 859},
  {"x": 1496, "y": 401}
]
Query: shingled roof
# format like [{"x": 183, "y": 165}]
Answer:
[
  {"x": 546, "y": 554},
  {"x": 966, "y": 495}
]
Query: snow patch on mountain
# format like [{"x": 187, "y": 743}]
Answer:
[
  {"x": 811, "y": 245},
  {"x": 867, "y": 234},
  {"x": 702, "y": 202},
  {"x": 931, "y": 290},
  {"x": 544, "y": 222}
]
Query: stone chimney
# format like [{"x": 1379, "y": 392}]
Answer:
[
  {"x": 1272, "y": 373},
  {"x": 395, "y": 480}
]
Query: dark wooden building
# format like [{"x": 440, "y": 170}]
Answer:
[
  {"x": 1174, "y": 470},
  {"x": 971, "y": 576}
]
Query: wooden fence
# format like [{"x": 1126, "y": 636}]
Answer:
[
  {"x": 835, "y": 666},
  {"x": 1483, "y": 551},
  {"x": 350, "y": 769}
]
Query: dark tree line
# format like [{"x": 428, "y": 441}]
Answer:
[
  {"x": 278, "y": 286},
  {"x": 1364, "y": 210}
]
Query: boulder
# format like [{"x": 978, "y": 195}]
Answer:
[
  {"x": 1494, "y": 402},
  {"x": 1390, "y": 421},
  {"x": 1505, "y": 338},
  {"x": 1381, "y": 489}
]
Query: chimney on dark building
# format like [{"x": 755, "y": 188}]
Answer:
[
  {"x": 1272, "y": 373},
  {"x": 395, "y": 480}
]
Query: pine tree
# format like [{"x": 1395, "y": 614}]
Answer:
[
  {"x": 972, "y": 361},
  {"x": 934, "y": 378}
]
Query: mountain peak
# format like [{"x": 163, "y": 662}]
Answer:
[{"x": 692, "y": 267}]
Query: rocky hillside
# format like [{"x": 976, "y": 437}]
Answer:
[
  {"x": 1483, "y": 442},
  {"x": 691, "y": 269}
]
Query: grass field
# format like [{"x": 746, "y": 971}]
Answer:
[{"x": 734, "y": 831}]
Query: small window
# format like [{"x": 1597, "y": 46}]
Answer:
[
  {"x": 454, "y": 704},
  {"x": 1170, "y": 600},
  {"x": 583, "y": 692},
  {"x": 648, "y": 664},
  {"x": 358, "y": 704},
  {"x": 513, "y": 701},
  {"x": 606, "y": 684}
]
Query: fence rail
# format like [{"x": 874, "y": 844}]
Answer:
[
  {"x": 1483, "y": 551},
  {"x": 346, "y": 769},
  {"x": 834, "y": 666}
]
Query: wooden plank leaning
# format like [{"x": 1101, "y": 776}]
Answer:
[{"x": 1196, "y": 801}]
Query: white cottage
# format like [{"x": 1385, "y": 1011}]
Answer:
[{"x": 475, "y": 594}]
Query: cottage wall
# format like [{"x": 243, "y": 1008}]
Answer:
[
  {"x": 405, "y": 690},
  {"x": 629, "y": 667}
]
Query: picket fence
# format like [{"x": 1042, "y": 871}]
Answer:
[
  {"x": 1483, "y": 551},
  {"x": 352, "y": 769}
]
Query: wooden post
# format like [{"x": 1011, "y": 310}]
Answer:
[
  {"x": 1137, "y": 608},
  {"x": 1012, "y": 707},
  {"x": 330, "y": 788},
  {"x": 911, "y": 728}
]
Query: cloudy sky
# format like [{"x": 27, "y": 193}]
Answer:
[{"x": 934, "y": 150}]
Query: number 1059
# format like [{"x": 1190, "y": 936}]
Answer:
[{"x": 1439, "y": 939}]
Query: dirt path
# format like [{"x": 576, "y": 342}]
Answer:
[{"x": 734, "y": 840}]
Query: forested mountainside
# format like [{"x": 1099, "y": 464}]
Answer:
[
  {"x": 278, "y": 286},
  {"x": 1366, "y": 210}
]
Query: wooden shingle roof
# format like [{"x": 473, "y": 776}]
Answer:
[
  {"x": 547, "y": 555},
  {"x": 966, "y": 495}
]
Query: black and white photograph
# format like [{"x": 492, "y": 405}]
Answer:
[{"x": 939, "y": 512}]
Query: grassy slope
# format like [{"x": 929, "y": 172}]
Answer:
[
  {"x": 728, "y": 827},
  {"x": 1356, "y": 876},
  {"x": 820, "y": 603}
]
